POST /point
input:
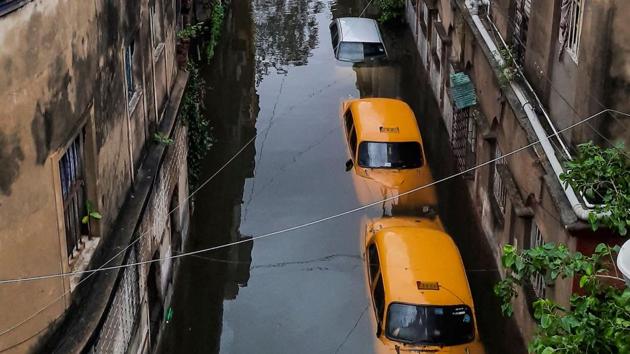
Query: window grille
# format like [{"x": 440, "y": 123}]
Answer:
[
  {"x": 574, "y": 26},
  {"x": 131, "y": 88},
  {"x": 498, "y": 188},
  {"x": 73, "y": 194},
  {"x": 464, "y": 139},
  {"x": 538, "y": 280},
  {"x": 121, "y": 319},
  {"x": 520, "y": 25}
]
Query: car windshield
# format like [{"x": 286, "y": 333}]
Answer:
[
  {"x": 430, "y": 325},
  {"x": 390, "y": 155},
  {"x": 357, "y": 51}
]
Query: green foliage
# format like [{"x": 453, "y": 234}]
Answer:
[
  {"x": 191, "y": 31},
  {"x": 603, "y": 176},
  {"x": 161, "y": 138},
  {"x": 508, "y": 69},
  {"x": 216, "y": 24},
  {"x": 90, "y": 213},
  {"x": 199, "y": 140},
  {"x": 597, "y": 320},
  {"x": 390, "y": 9}
]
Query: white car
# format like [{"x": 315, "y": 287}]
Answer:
[{"x": 357, "y": 39}]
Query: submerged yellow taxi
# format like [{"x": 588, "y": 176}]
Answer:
[
  {"x": 386, "y": 152},
  {"x": 419, "y": 290}
]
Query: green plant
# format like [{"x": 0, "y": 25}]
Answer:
[
  {"x": 161, "y": 138},
  {"x": 602, "y": 175},
  {"x": 508, "y": 68},
  {"x": 91, "y": 213},
  {"x": 199, "y": 139},
  {"x": 597, "y": 319},
  {"x": 216, "y": 24},
  {"x": 390, "y": 9},
  {"x": 191, "y": 31}
]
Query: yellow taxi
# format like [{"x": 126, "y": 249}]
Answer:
[
  {"x": 386, "y": 152},
  {"x": 419, "y": 290}
]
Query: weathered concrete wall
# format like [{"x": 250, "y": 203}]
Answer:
[{"x": 62, "y": 69}]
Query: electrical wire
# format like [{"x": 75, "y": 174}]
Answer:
[
  {"x": 202, "y": 185},
  {"x": 313, "y": 222}
]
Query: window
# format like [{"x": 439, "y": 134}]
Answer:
[
  {"x": 498, "y": 188},
  {"x": 430, "y": 325},
  {"x": 571, "y": 26},
  {"x": 72, "y": 174},
  {"x": 353, "y": 142},
  {"x": 464, "y": 139},
  {"x": 334, "y": 35},
  {"x": 520, "y": 24},
  {"x": 348, "y": 121},
  {"x": 390, "y": 155},
  {"x": 379, "y": 300},
  {"x": 373, "y": 262},
  {"x": 131, "y": 88},
  {"x": 358, "y": 52},
  {"x": 156, "y": 24},
  {"x": 538, "y": 280}
]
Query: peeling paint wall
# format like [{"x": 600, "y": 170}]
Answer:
[{"x": 62, "y": 69}]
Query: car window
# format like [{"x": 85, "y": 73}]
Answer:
[
  {"x": 358, "y": 51},
  {"x": 349, "y": 121},
  {"x": 353, "y": 142},
  {"x": 373, "y": 262},
  {"x": 379, "y": 299},
  {"x": 390, "y": 155},
  {"x": 334, "y": 35},
  {"x": 371, "y": 50},
  {"x": 351, "y": 51},
  {"x": 432, "y": 325}
]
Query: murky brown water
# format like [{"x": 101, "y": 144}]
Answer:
[{"x": 304, "y": 291}]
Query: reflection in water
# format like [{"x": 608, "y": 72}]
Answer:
[
  {"x": 286, "y": 33},
  {"x": 202, "y": 282}
]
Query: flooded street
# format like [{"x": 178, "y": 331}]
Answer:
[{"x": 274, "y": 79}]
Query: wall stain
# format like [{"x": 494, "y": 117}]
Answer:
[{"x": 11, "y": 156}]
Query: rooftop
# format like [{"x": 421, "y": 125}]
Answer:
[
  {"x": 384, "y": 120},
  {"x": 411, "y": 254},
  {"x": 357, "y": 29}
]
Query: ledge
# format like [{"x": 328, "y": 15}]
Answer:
[
  {"x": 567, "y": 215},
  {"x": 72, "y": 332}
]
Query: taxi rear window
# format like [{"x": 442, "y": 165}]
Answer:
[
  {"x": 430, "y": 325},
  {"x": 400, "y": 155}
]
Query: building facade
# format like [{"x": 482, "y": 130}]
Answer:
[
  {"x": 509, "y": 73},
  {"x": 93, "y": 172}
]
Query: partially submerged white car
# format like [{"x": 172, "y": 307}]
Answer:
[{"x": 357, "y": 39}]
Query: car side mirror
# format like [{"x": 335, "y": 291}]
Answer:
[{"x": 349, "y": 165}]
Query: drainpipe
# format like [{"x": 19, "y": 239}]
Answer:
[{"x": 578, "y": 208}]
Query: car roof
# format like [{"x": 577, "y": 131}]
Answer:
[
  {"x": 410, "y": 254},
  {"x": 384, "y": 120},
  {"x": 357, "y": 29}
]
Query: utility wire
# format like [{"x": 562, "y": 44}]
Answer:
[
  {"x": 202, "y": 185},
  {"x": 310, "y": 223}
]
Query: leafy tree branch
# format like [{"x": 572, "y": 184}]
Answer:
[
  {"x": 602, "y": 175},
  {"x": 597, "y": 319}
]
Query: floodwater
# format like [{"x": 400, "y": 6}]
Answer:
[{"x": 274, "y": 79}]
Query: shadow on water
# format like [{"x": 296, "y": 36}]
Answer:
[{"x": 205, "y": 281}]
